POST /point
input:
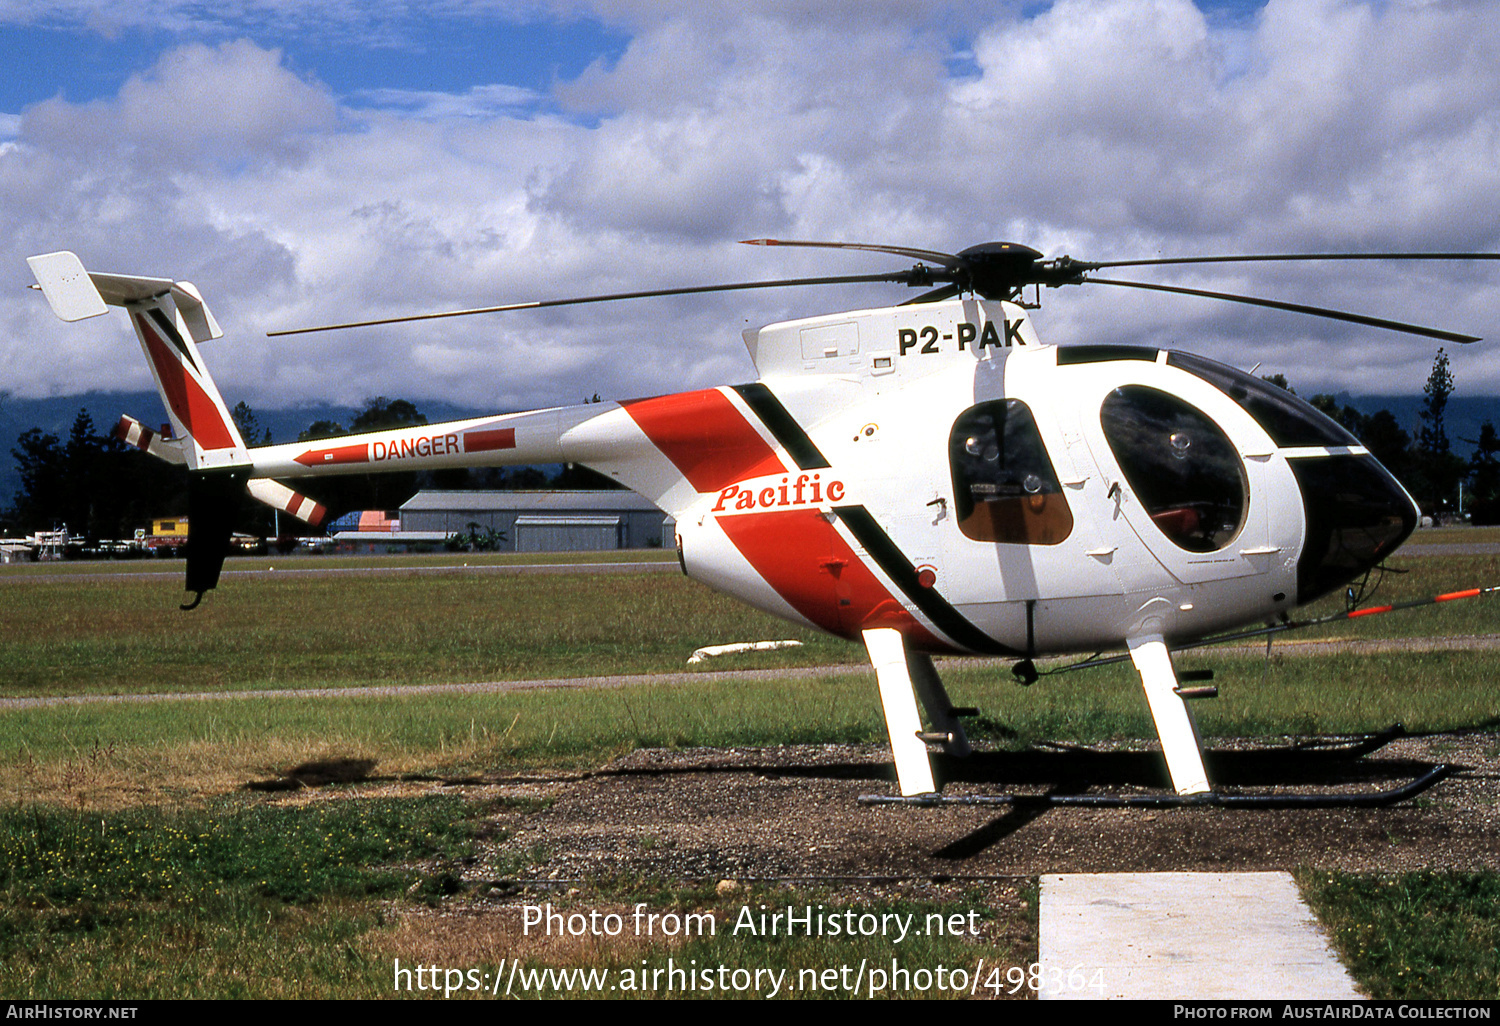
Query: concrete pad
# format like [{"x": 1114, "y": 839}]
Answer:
[{"x": 1184, "y": 936}]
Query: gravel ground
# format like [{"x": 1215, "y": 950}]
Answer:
[{"x": 792, "y": 812}]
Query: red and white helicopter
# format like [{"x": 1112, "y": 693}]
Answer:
[{"x": 926, "y": 478}]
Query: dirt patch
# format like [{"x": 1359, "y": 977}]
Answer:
[
  {"x": 475, "y": 934},
  {"x": 791, "y": 812}
]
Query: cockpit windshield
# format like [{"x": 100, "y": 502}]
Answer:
[{"x": 1288, "y": 420}]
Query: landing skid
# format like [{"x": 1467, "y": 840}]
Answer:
[
  {"x": 904, "y": 675},
  {"x": 1325, "y": 800}
]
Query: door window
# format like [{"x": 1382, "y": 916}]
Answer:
[
  {"x": 1004, "y": 487},
  {"x": 1180, "y": 464}
]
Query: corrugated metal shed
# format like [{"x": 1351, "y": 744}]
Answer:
[{"x": 554, "y": 521}]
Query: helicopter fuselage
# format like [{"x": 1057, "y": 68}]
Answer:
[{"x": 1017, "y": 498}]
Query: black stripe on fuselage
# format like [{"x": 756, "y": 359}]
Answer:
[
  {"x": 893, "y": 562},
  {"x": 783, "y": 426}
]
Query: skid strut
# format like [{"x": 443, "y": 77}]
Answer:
[
  {"x": 898, "y": 700},
  {"x": 904, "y": 675}
]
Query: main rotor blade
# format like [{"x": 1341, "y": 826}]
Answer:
[
  {"x": 1315, "y": 311},
  {"x": 935, "y": 296},
  {"x": 896, "y": 276},
  {"x": 947, "y": 260},
  {"x": 1089, "y": 265}
]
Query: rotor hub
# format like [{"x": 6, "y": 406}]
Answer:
[{"x": 999, "y": 270}]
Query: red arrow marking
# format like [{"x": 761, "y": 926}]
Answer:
[{"x": 341, "y": 454}]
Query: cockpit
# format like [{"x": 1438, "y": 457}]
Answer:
[
  {"x": 1357, "y": 513},
  {"x": 1188, "y": 475}
]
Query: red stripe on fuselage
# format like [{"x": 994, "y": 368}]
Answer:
[
  {"x": 812, "y": 567},
  {"x": 705, "y": 437},
  {"x": 198, "y": 413},
  {"x": 486, "y": 441}
]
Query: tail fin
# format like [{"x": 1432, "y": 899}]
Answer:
[{"x": 170, "y": 319}]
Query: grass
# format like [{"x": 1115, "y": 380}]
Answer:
[
  {"x": 103, "y": 754},
  {"x": 1416, "y": 578},
  {"x": 1414, "y": 935},
  {"x": 724, "y": 948},
  {"x": 109, "y": 755},
  {"x": 1455, "y": 536},
  {"x": 307, "y": 563},
  {"x": 241, "y": 899},
  {"x": 124, "y": 635},
  {"x": 232, "y": 900},
  {"x": 125, "y": 871}
]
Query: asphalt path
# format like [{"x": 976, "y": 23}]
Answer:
[
  {"x": 620, "y": 567},
  {"x": 1296, "y": 647}
]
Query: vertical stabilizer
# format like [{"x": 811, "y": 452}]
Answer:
[{"x": 170, "y": 319}]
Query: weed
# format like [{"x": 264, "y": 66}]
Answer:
[{"x": 1414, "y": 935}]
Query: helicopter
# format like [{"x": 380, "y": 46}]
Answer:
[{"x": 928, "y": 478}]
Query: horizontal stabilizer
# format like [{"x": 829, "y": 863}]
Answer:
[
  {"x": 279, "y": 496},
  {"x": 133, "y": 432},
  {"x": 75, "y": 294},
  {"x": 66, "y": 285}
]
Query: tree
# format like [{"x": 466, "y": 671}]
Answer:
[
  {"x": 39, "y": 461},
  {"x": 1440, "y": 469},
  {"x": 575, "y": 476},
  {"x": 250, "y": 431},
  {"x": 1389, "y": 443},
  {"x": 321, "y": 429},
  {"x": 1350, "y": 419},
  {"x": 88, "y": 495},
  {"x": 522, "y": 479},
  {"x": 1433, "y": 436},
  {"x": 1484, "y": 475},
  {"x": 385, "y": 491},
  {"x": 381, "y": 414}
]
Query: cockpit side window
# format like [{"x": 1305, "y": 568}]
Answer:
[
  {"x": 1180, "y": 464},
  {"x": 1288, "y": 420},
  {"x": 1004, "y": 487}
]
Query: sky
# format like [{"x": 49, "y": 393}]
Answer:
[{"x": 311, "y": 163}]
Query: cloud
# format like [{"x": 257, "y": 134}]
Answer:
[
  {"x": 482, "y": 101},
  {"x": 1107, "y": 129},
  {"x": 226, "y": 104}
]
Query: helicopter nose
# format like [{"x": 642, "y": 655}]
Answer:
[{"x": 1357, "y": 515}]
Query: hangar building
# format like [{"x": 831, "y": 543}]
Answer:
[{"x": 560, "y": 521}]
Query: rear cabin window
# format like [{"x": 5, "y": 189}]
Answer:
[
  {"x": 1004, "y": 487},
  {"x": 1180, "y": 464}
]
